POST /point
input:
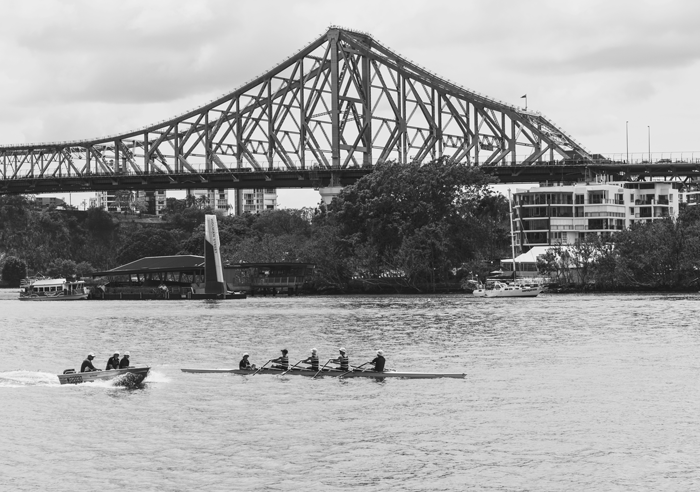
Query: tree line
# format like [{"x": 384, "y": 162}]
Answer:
[
  {"x": 660, "y": 255},
  {"x": 405, "y": 227}
]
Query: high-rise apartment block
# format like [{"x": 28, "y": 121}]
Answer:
[
  {"x": 256, "y": 200},
  {"x": 150, "y": 202},
  {"x": 549, "y": 215}
]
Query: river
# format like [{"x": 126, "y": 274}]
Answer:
[{"x": 562, "y": 392}]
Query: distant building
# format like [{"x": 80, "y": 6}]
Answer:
[
  {"x": 150, "y": 202},
  {"x": 256, "y": 200},
  {"x": 216, "y": 199},
  {"x": 549, "y": 215},
  {"x": 46, "y": 201}
]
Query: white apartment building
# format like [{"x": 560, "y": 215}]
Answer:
[
  {"x": 548, "y": 215},
  {"x": 217, "y": 199},
  {"x": 256, "y": 200},
  {"x": 150, "y": 202}
]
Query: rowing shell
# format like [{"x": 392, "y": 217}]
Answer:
[{"x": 336, "y": 373}]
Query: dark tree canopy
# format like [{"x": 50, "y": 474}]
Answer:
[{"x": 13, "y": 271}]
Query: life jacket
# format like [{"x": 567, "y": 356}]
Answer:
[
  {"x": 344, "y": 362},
  {"x": 284, "y": 361},
  {"x": 314, "y": 362}
]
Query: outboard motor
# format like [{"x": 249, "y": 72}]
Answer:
[{"x": 69, "y": 371}]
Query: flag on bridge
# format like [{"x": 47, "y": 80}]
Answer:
[{"x": 525, "y": 96}]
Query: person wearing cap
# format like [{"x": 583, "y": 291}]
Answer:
[
  {"x": 124, "y": 363},
  {"x": 281, "y": 362},
  {"x": 312, "y": 359},
  {"x": 378, "y": 362},
  {"x": 342, "y": 360},
  {"x": 244, "y": 364},
  {"x": 87, "y": 364},
  {"x": 113, "y": 362}
]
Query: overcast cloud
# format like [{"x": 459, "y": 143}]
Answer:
[{"x": 79, "y": 69}]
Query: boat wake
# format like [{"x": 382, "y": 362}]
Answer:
[
  {"x": 156, "y": 377},
  {"x": 20, "y": 379}
]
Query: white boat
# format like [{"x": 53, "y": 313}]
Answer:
[
  {"x": 495, "y": 288},
  {"x": 52, "y": 289},
  {"x": 334, "y": 373},
  {"x": 132, "y": 375},
  {"x": 502, "y": 289}
]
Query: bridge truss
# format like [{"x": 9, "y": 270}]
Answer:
[{"x": 324, "y": 116}]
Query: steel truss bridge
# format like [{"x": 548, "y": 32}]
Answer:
[{"x": 323, "y": 117}]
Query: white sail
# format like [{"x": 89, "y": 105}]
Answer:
[{"x": 213, "y": 269}]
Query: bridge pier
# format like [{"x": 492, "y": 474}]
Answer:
[{"x": 329, "y": 192}]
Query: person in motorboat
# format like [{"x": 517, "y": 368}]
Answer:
[
  {"x": 281, "y": 362},
  {"x": 244, "y": 364},
  {"x": 342, "y": 360},
  {"x": 312, "y": 360},
  {"x": 113, "y": 362},
  {"x": 124, "y": 363},
  {"x": 378, "y": 362},
  {"x": 87, "y": 364}
]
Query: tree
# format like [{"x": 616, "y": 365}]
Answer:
[
  {"x": 62, "y": 268},
  {"x": 14, "y": 270},
  {"x": 147, "y": 241},
  {"x": 424, "y": 219},
  {"x": 84, "y": 269}
]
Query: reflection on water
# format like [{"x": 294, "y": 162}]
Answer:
[{"x": 562, "y": 392}]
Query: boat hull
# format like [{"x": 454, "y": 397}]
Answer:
[
  {"x": 513, "y": 293},
  {"x": 133, "y": 375},
  {"x": 69, "y": 297},
  {"x": 333, "y": 373}
]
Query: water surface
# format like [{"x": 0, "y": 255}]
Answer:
[{"x": 575, "y": 392}]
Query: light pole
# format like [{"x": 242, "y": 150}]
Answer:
[
  {"x": 627, "y": 140},
  {"x": 649, "y": 141}
]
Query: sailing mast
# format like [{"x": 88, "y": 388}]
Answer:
[{"x": 512, "y": 234}]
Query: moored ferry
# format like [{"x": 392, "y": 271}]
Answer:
[{"x": 52, "y": 289}]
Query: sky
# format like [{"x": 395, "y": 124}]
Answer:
[{"x": 612, "y": 73}]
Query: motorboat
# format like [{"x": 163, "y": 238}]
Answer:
[
  {"x": 52, "y": 289},
  {"x": 358, "y": 373},
  {"x": 132, "y": 375}
]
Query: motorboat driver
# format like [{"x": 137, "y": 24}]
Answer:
[{"x": 87, "y": 364}]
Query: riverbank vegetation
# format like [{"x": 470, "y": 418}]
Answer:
[
  {"x": 403, "y": 228},
  {"x": 409, "y": 228}
]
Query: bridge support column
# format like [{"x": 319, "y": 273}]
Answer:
[{"x": 329, "y": 192}]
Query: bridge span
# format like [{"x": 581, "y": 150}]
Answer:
[{"x": 321, "y": 118}]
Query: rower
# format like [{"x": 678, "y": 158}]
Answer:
[
  {"x": 378, "y": 362},
  {"x": 342, "y": 360},
  {"x": 124, "y": 363},
  {"x": 312, "y": 359},
  {"x": 244, "y": 364},
  {"x": 87, "y": 364},
  {"x": 113, "y": 362},
  {"x": 281, "y": 362}
]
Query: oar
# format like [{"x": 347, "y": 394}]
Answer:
[
  {"x": 266, "y": 363},
  {"x": 324, "y": 365},
  {"x": 353, "y": 368},
  {"x": 285, "y": 372}
]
